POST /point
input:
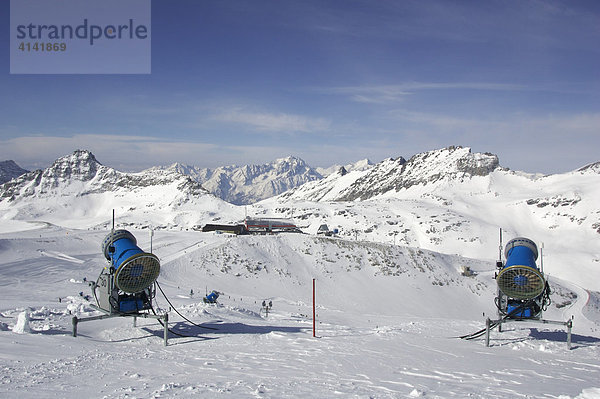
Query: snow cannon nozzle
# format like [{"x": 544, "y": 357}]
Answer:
[
  {"x": 520, "y": 278},
  {"x": 135, "y": 270}
]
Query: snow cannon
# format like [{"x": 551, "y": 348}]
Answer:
[
  {"x": 134, "y": 269},
  {"x": 212, "y": 297},
  {"x": 520, "y": 278},
  {"x": 523, "y": 292},
  {"x": 127, "y": 285}
]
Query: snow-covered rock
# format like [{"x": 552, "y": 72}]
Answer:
[
  {"x": 452, "y": 163},
  {"x": 591, "y": 168}
]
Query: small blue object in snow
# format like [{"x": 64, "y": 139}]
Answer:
[{"x": 212, "y": 297}]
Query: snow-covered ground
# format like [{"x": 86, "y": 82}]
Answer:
[{"x": 388, "y": 317}]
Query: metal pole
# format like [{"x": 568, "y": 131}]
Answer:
[
  {"x": 314, "y": 313},
  {"x": 134, "y": 321},
  {"x": 569, "y": 326},
  {"x": 74, "y": 321},
  {"x": 542, "y": 258},
  {"x": 487, "y": 332},
  {"x": 500, "y": 294},
  {"x": 500, "y": 246},
  {"x": 166, "y": 333}
]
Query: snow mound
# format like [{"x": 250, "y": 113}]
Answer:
[{"x": 22, "y": 326}]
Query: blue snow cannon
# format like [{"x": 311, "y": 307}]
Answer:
[
  {"x": 212, "y": 297},
  {"x": 135, "y": 270},
  {"x": 520, "y": 279}
]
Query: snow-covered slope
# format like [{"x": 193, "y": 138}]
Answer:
[
  {"x": 387, "y": 321},
  {"x": 251, "y": 183},
  {"x": 455, "y": 201},
  {"x": 76, "y": 190},
  {"x": 9, "y": 170}
]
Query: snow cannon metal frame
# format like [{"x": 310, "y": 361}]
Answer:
[{"x": 127, "y": 287}]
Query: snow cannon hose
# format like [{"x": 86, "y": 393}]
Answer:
[
  {"x": 135, "y": 270},
  {"x": 520, "y": 277}
]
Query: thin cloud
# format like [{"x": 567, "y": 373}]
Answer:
[
  {"x": 122, "y": 152},
  {"x": 381, "y": 94},
  {"x": 278, "y": 123}
]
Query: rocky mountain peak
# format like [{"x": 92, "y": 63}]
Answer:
[
  {"x": 80, "y": 165},
  {"x": 80, "y": 174},
  {"x": 452, "y": 161},
  {"x": 9, "y": 170},
  {"x": 424, "y": 168},
  {"x": 593, "y": 168}
]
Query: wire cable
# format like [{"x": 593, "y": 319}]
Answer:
[
  {"x": 176, "y": 311},
  {"x": 170, "y": 330},
  {"x": 496, "y": 323}
]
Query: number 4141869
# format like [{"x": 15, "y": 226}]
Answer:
[{"x": 48, "y": 47}]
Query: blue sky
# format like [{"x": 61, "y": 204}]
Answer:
[{"x": 237, "y": 82}]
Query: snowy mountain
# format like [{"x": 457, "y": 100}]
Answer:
[
  {"x": 591, "y": 168},
  {"x": 455, "y": 164},
  {"x": 449, "y": 164},
  {"x": 454, "y": 201},
  {"x": 9, "y": 170},
  {"x": 78, "y": 187},
  {"x": 248, "y": 184}
]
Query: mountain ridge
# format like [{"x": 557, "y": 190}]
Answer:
[
  {"x": 78, "y": 188},
  {"x": 247, "y": 184}
]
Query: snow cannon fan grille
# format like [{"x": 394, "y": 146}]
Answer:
[
  {"x": 520, "y": 277},
  {"x": 135, "y": 270}
]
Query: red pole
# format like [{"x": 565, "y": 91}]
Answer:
[{"x": 314, "y": 329}]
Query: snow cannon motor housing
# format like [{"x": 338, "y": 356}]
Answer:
[
  {"x": 522, "y": 289},
  {"x": 128, "y": 284}
]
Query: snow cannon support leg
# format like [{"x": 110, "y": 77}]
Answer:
[
  {"x": 166, "y": 332},
  {"x": 487, "y": 332}
]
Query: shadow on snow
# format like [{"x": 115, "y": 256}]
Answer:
[{"x": 561, "y": 336}]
